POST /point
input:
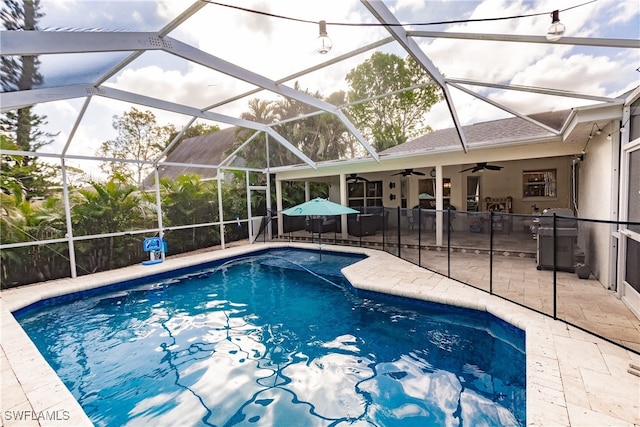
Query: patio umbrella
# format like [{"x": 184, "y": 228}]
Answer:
[{"x": 319, "y": 207}]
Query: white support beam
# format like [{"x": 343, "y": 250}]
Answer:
[
  {"x": 380, "y": 11},
  {"x": 83, "y": 110},
  {"x": 121, "y": 95},
  {"x": 176, "y": 139},
  {"x": 175, "y": 23},
  {"x": 205, "y": 59},
  {"x": 237, "y": 150},
  {"x": 33, "y": 43},
  {"x": 573, "y": 41},
  {"x": 190, "y": 111},
  {"x": 538, "y": 90},
  {"x": 306, "y": 71},
  {"x": 291, "y": 148},
  {"x": 69, "y": 223},
  {"x": 507, "y": 109},
  {"x": 279, "y": 206},
  {"x": 344, "y": 201},
  {"x": 26, "y": 98},
  {"x": 220, "y": 211}
]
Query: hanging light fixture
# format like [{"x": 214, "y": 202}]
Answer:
[
  {"x": 556, "y": 30},
  {"x": 324, "y": 42}
]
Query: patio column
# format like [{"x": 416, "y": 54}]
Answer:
[
  {"x": 269, "y": 230},
  {"x": 439, "y": 206},
  {"x": 279, "y": 206},
  {"x": 344, "y": 202},
  {"x": 156, "y": 177},
  {"x": 67, "y": 214},
  {"x": 307, "y": 191},
  {"x": 220, "y": 210}
]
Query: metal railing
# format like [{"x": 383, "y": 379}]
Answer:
[{"x": 530, "y": 260}]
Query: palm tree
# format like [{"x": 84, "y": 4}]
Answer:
[
  {"x": 189, "y": 200},
  {"x": 108, "y": 207}
]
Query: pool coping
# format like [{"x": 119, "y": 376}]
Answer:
[{"x": 573, "y": 378}]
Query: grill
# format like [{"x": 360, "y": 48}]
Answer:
[{"x": 566, "y": 235}]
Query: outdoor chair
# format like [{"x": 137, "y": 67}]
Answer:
[
  {"x": 361, "y": 225},
  {"x": 323, "y": 225}
]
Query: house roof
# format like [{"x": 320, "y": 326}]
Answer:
[
  {"x": 494, "y": 132},
  {"x": 209, "y": 149}
]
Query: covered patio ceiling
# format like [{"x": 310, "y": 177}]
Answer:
[{"x": 206, "y": 61}]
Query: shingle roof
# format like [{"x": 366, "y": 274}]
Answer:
[
  {"x": 209, "y": 149},
  {"x": 510, "y": 130}
]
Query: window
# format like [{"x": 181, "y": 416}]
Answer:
[
  {"x": 473, "y": 193},
  {"x": 633, "y": 197},
  {"x": 426, "y": 193},
  {"x": 365, "y": 194},
  {"x": 539, "y": 183}
]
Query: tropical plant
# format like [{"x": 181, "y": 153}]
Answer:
[
  {"x": 186, "y": 200},
  {"x": 113, "y": 206},
  {"x": 234, "y": 203},
  {"x": 23, "y": 220},
  {"x": 320, "y": 137}
]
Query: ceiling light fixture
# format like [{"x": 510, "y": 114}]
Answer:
[
  {"x": 556, "y": 30},
  {"x": 324, "y": 42}
]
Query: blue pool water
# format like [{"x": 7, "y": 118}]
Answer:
[{"x": 263, "y": 341}]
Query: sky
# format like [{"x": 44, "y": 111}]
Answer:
[{"x": 277, "y": 47}]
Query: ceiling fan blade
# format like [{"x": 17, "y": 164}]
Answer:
[
  {"x": 353, "y": 177},
  {"x": 399, "y": 173},
  {"x": 494, "y": 167},
  {"x": 418, "y": 173},
  {"x": 468, "y": 169}
]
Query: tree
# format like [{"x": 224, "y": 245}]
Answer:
[
  {"x": 260, "y": 111},
  {"x": 320, "y": 137},
  {"x": 139, "y": 138},
  {"x": 391, "y": 120},
  {"x": 22, "y": 125}
]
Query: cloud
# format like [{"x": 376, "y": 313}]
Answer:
[
  {"x": 581, "y": 70},
  {"x": 275, "y": 48}
]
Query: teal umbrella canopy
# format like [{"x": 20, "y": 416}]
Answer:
[{"x": 319, "y": 207}]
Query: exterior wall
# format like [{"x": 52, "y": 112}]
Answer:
[
  {"x": 596, "y": 174},
  {"x": 508, "y": 182}
]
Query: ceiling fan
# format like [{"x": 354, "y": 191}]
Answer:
[
  {"x": 482, "y": 166},
  {"x": 408, "y": 172},
  {"x": 353, "y": 177}
]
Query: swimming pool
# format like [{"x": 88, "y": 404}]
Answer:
[{"x": 253, "y": 343}]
